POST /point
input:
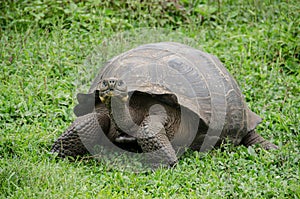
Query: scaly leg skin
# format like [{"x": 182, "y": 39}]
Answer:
[
  {"x": 154, "y": 142},
  {"x": 253, "y": 138},
  {"x": 85, "y": 132}
]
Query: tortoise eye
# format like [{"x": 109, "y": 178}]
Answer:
[
  {"x": 104, "y": 83},
  {"x": 120, "y": 83}
]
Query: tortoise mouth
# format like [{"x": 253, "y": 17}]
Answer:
[{"x": 108, "y": 94}]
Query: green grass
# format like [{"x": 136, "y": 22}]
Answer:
[{"x": 47, "y": 55}]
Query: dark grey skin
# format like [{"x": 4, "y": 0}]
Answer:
[
  {"x": 145, "y": 119},
  {"x": 143, "y": 124}
]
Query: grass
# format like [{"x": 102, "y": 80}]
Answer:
[{"x": 47, "y": 55}]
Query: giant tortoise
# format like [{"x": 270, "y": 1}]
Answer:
[{"x": 158, "y": 99}]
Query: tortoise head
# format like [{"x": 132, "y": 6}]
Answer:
[{"x": 112, "y": 87}]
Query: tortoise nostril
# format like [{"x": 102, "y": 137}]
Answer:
[{"x": 111, "y": 83}]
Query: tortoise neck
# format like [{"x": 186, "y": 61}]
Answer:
[{"x": 120, "y": 114}]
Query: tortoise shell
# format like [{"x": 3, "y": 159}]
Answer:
[{"x": 197, "y": 81}]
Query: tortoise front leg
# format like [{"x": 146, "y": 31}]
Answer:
[
  {"x": 153, "y": 140},
  {"x": 83, "y": 134}
]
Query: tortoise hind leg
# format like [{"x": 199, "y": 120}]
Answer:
[{"x": 253, "y": 138}]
